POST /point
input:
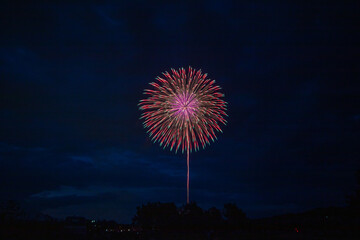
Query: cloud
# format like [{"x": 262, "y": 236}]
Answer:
[
  {"x": 65, "y": 191},
  {"x": 82, "y": 159}
]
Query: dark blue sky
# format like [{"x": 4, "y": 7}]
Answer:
[{"x": 71, "y": 76}]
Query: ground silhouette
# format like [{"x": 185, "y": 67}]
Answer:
[{"x": 157, "y": 221}]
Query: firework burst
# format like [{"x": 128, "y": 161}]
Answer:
[{"x": 183, "y": 110}]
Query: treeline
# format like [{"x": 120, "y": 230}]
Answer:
[
  {"x": 190, "y": 217},
  {"x": 166, "y": 221}
]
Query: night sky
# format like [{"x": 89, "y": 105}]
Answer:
[{"x": 71, "y": 76}]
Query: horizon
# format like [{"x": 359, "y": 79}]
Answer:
[{"x": 37, "y": 216}]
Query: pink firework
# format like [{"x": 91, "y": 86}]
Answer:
[{"x": 183, "y": 111}]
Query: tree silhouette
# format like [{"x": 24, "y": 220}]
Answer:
[
  {"x": 213, "y": 218},
  {"x": 191, "y": 217},
  {"x": 234, "y": 216},
  {"x": 354, "y": 200},
  {"x": 156, "y": 216},
  {"x": 10, "y": 210}
]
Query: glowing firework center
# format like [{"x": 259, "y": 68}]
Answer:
[{"x": 185, "y": 105}]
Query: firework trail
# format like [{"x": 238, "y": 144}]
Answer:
[{"x": 183, "y": 111}]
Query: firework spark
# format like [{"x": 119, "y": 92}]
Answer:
[{"x": 183, "y": 111}]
